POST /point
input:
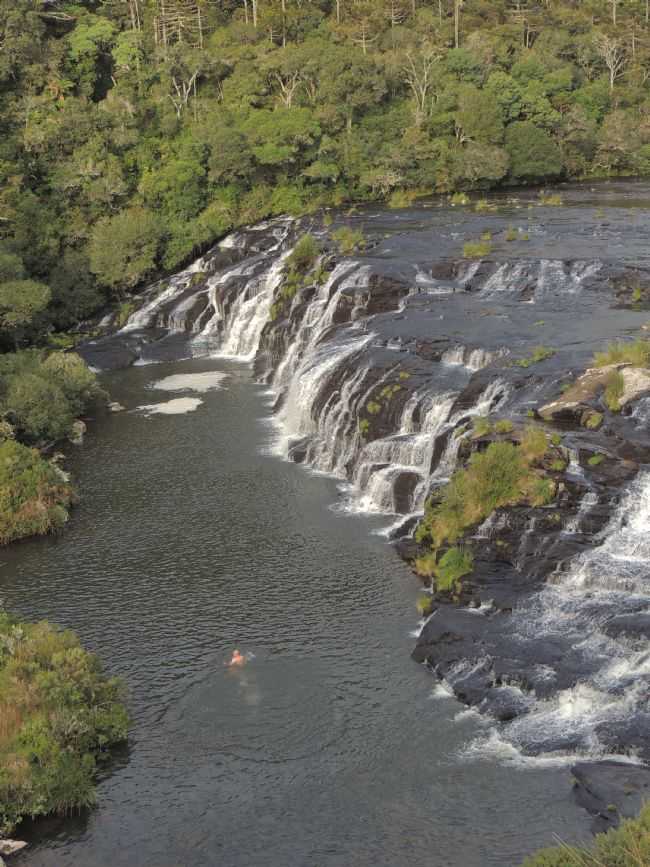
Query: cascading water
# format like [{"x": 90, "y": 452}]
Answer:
[{"x": 594, "y": 618}]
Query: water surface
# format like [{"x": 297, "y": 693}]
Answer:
[{"x": 332, "y": 747}]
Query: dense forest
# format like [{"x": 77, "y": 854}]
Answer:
[{"x": 135, "y": 132}]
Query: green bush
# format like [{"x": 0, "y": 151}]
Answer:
[
  {"x": 459, "y": 199},
  {"x": 349, "y": 240},
  {"x": 424, "y": 605},
  {"x": 454, "y": 565},
  {"x": 635, "y": 352},
  {"x": 626, "y": 846},
  {"x": 594, "y": 420},
  {"x": 34, "y": 494},
  {"x": 304, "y": 254},
  {"x": 476, "y": 249},
  {"x": 504, "y": 426},
  {"x": 58, "y": 714},
  {"x": 539, "y": 353},
  {"x": 614, "y": 389},
  {"x": 481, "y": 426},
  {"x": 534, "y": 444},
  {"x": 41, "y": 394}
]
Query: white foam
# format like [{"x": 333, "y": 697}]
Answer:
[
  {"x": 199, "y": 382},
  {"x": 177, "y": 406}
]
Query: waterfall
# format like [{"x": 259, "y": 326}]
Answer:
[{"x": 595, "y": 617}]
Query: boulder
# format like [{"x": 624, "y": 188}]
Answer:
[
  {"x": 575, "y": 403},
  {"x": 10, "y": 847},
  {"x": 611, "y": 790},
  {"x": 637, "y": 384},
  {"x": 114, "y": 406},
  {"x": 78, "y": 431}
]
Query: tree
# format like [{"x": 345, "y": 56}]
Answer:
[
  {"x": 613, "y": 55},
  {"x": 123, "y": 249},
  {"x": 22, "y": 305},
  {"x": 533, "y": 153},
  {"x": 418, "y": 75}
]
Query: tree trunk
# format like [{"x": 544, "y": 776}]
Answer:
[{"x": 456, "y": 23}]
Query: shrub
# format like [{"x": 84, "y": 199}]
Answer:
[
  {"x": 486, "y": 236},
  {"x": 504, "y": 426},
  {"x": 460, "y": 199},
  {"x": 364, "y": 426},
  {"x": 58, "y": 714},
  {"x": 556, "y": 439},
  {"x": 34, "y": 494},
  {"x": 482, "y": 205},
  {"x": 534, "y": 443},
  {"x": 594, "y": 420},
  {"x": 625, "y": 846},
  {"x": 424, "y": 605},
  {"x": 401, "y": 199},
  {"x": 511, "y": 234},
  {"x": 481, "y": 426},
  {"x": 304, "y": 254},
  {"x": 636, "y": 352},
  {"x": 539, "y": 353},
  {"x": 41, "y": 394},
  {"x": 614, "y": 389},
  {"x": 349, "y": 240},
  {"x": 454, "y": 565},
  {"x": 550, "y": 199},
  {"x": 476, "y": 249},
  {"x": 542, "y": 492}
]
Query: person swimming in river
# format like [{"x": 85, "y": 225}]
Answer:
[{"x": 237, "y": 659}]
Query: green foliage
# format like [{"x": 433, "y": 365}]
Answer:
[
  {"x": 534, "y": 444},
  {"x": 636, "y": 352},
  {"x": 364, "y": 426},
  {"x": 511, "y": 234},
  {"x": 453, "y": 565},
  {"x": 614, "y": 390},
  {"x": 459, "y": 199},
  {"x": 539, "y": 353},
  {"x": 22, "y": 305},
  {"x": 556, "y": 439},
  {"x": 481, "y": 426},
  {"x": 58, "y": 715},
  {"x": 349, "y": 240},
  {"x": 304, "y": 254},
  {"x": 625, "y": 846},
  {"x": 424, "y": 605},
  {"x": 42, "y": 395},
  {"x": 558, "y": 466},
  {"x": 550, "y": 199},
  {"x": 373, "y": 407},
  {"x": 596, "y": 460},
  {"x": 503, "y": 426},
  {"x": 593, "y": 420},
  {"x": 34, "y": 494},
  {"x": 123, "y": 248},
  {"x": 476, "y": 249}
]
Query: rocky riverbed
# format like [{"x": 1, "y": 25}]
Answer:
[{"x": 381, "y": 360}]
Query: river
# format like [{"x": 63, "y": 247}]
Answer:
[{"x": 331, "y": 747}]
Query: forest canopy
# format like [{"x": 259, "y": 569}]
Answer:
[{"x": 136, "y": 132}]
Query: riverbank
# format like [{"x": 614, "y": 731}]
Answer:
[{"x": 59, "y": 716}]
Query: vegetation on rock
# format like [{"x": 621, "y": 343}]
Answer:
[
  {"x": 626, "y": 846},
  {"x": 502, "y": 475},
  {"x": 58, "y": 715}
]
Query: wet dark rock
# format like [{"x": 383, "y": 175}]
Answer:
[
  {"x": 632, "y": 625},
  {"x": 611, "y": 790}
]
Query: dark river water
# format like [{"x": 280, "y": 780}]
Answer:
[{"x": 331, "y": 748}]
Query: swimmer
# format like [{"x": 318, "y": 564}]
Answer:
[{"x": 237, "y": 658}]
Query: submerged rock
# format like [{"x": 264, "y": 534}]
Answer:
[{"x": 611, "y": 790}]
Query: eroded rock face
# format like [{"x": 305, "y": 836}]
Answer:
[{"x": 575, "y": 404}]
